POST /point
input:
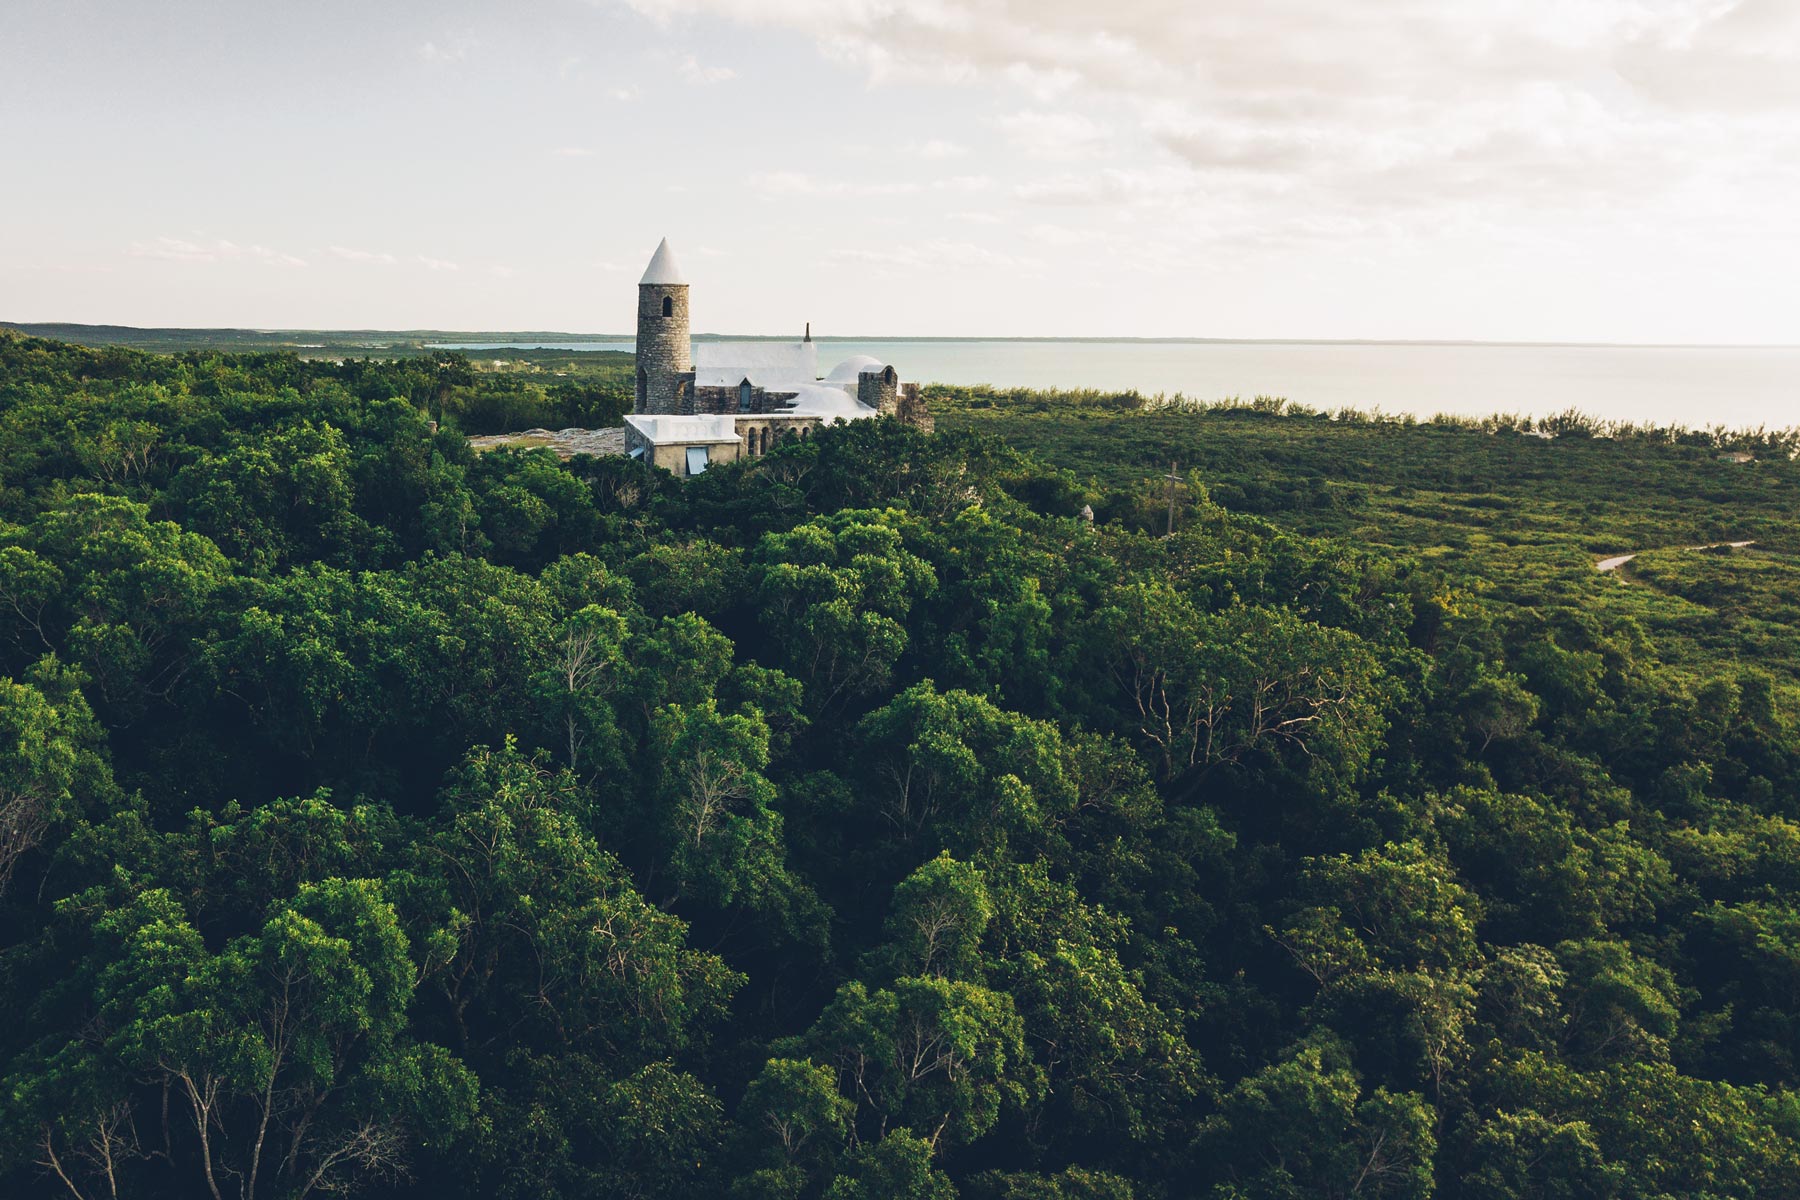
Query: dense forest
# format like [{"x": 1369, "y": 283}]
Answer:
[{"x": 860, "y": 821}]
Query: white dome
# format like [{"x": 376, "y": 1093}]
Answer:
[{"x": 848, "y": 370}]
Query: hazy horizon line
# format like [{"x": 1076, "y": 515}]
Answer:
[{"x": 505, "y": 335}]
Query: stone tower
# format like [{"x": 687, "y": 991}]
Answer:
[
  {"x": 879, "y": 388},
  {"x": 664, "y": 353}
]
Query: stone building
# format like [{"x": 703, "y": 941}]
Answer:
[
  {"x": 762, "y": 391},
  {"x": 682, "y": 445}
]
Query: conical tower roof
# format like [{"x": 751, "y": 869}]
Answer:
[{"x": 662, "y": 270}]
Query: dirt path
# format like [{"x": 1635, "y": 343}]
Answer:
[{"x": 1619, "y": 560}]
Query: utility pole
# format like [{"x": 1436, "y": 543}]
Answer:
[{"x": 1174, "y": 478}]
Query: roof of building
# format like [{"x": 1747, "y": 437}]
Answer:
[
  {"x": 667, "y": 430},
  {"x": 851, "y": 368},
  {"x": 830, "y": 401},
  {"x": 772, "y": 366},
  {"x": 663, "y": 270}
]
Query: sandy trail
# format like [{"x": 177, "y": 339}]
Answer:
[{"x": 1619, "y": 560}]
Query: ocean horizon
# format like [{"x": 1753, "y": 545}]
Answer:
[{"x": 1695, "y": 385}]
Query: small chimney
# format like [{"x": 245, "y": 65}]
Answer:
[{"x": 808, "y": 331}]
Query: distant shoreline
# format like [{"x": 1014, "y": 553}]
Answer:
[{"x": 434, "y": 338}]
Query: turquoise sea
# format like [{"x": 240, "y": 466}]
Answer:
[{"x": 1696, "y": 386}]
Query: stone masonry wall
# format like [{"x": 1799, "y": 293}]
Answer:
[
  {"x": 664, "y": 351},
  {"x": 879, "y": 390},
  {"x": 730, "y": 400},
  {"x": 912, "y": 408}
]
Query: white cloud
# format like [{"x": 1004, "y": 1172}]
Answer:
[
  {"x": 1516, "y": 113},
  {"x": 362, "y": 256},
  {"x": 1110, "y": 186},
  {"x": 1061, "y": 235},
  {"x": 962, "y": 183},
  {"x": 937, "y": 256},
  {"x": 1056, "y": 135},
  {"x": 799, "y": 183},
  {"x": 572, "y": 152},
  {"x": 274, "y": 257},
  {"x": 173, "y": 249},
  {"x": 1043, "y": 84},
  {"x": 450, "y": 50},
  {"x": 704, "y": 76},
  {"x": 936, "y": 149},
  {"x": 625, "y": 95},
  {"x": 437, "y": 264}
]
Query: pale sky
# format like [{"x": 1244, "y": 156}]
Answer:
[{"x": 1567, "y": 170}]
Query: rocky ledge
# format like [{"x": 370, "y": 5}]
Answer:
[{"x": 565, "y": 443}]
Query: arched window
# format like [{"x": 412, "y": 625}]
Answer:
[
  {"x": 744, "y": 393},
  {"x": 668, "y": 306}
]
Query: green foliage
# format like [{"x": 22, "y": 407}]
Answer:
[
  {"x": 897, "y": 1167},
  {"x": 1303, "y": 1126},
  {"x": 940, "y": 912},
  {"x": 940, "y": 1057},
  {"x": 52, "y": 768},
  {"x": 951, "y": 770},
  {"x": 858, "y": 821},
  {"x": 535, "y": 922},
  {"x": 1204, "y": 689},
  {"x": 287, "y": 1048},
  {"x": 268, "y": 498},
  {"x": 834, "y": 596}
]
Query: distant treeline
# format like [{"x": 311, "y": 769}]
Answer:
[
  {"x": 529, "y": 389},
  {"x": 1568, "y": 423},
  {"x": 310, "y": 343}
]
